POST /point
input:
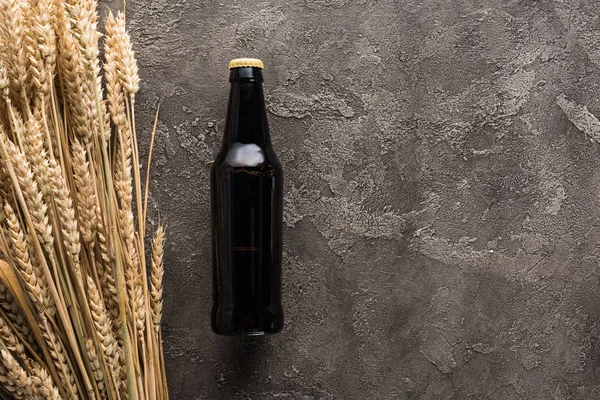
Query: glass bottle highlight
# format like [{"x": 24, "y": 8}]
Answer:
[{"x": 247, "y": 213}]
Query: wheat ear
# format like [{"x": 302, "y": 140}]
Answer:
[
  {"x": 10, "y": 339},
  {"x": 33, "y": 196},
  {"x": 43, "y": 57},
  {"x": 86, "y": 197},
  {"x": 66, "y": 214},
  {"x": 16, "y": 377},
  {"x": 32, "y": 277},
  {"x": 35, "y": 152},
  {"x": 107, "y": 277},
  {"x": 104, "y": 331},
  {"x": 157, "y": 277},
  {"x": 15, "y": 315},
  {"x": 57, "y": 352},
  {"x": 97, "y": 370},
  {"x": 113, "y": 52},
  {"x": 43, "y": 385},
  {"x": 12, "y": 40}
]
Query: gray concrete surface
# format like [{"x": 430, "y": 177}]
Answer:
[{"x": 443, "y": 181}]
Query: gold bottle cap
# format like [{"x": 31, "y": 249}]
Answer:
[{"x": 245, "y": 62}]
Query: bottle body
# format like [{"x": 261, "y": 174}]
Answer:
[{"x": 247, "y": 213}]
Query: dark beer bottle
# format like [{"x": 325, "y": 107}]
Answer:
[{"x": 247, "y": 212}]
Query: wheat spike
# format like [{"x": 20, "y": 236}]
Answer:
[
  {"x": 42, "y": 45},
  {"x": 106, "y": 275},
  {"x": 86, "y": 198},
  {"x": 10, "y": 339},
  {"x": 126, "y": 62},
  {"x": 43, "y": 385},
  {"x": 16, "y": 376},
  {"x": 7, "y": 383},
  {"x": 15, "y": 315},
  {"x": 104, "y": 330},
  {"x": 66, "y": 214},
  {"x": 33, "y": 196},
  {"x": 12, "y": 40},
  {"x": 134, "y": 280},
  {"x": 35, "y": 151},
  {"x": 57, "y": 352},
  {"x": 5, "y": 185},
  {"x": 69, "y": 61},
  {"x": 157, "y": 273},
  {"x": 84, "y": 12},
  {"x": 113, "y": 52},
  {"x": 97, "y": 371},
  {"x": 32, "y": 277}
]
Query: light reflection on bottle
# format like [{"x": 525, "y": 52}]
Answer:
[{"x": 245, "y": 154}]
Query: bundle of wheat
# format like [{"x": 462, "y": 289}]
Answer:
[{"x": 79, "y": 318}]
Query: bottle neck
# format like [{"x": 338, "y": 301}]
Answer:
[{"x": 246, "y": 112}]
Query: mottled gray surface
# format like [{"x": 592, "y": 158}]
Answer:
[{"x": 443, "y": 181}]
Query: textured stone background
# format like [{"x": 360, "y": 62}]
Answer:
[{"x": 443, "y": 181}]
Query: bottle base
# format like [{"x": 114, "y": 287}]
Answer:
[
  {"x": 245, "y": 333},
  {"x": 256, "y": 322}
]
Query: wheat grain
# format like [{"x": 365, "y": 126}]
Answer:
[
  {"x": 4, "y": 81},
  {"x": 5, "y": 187}
]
